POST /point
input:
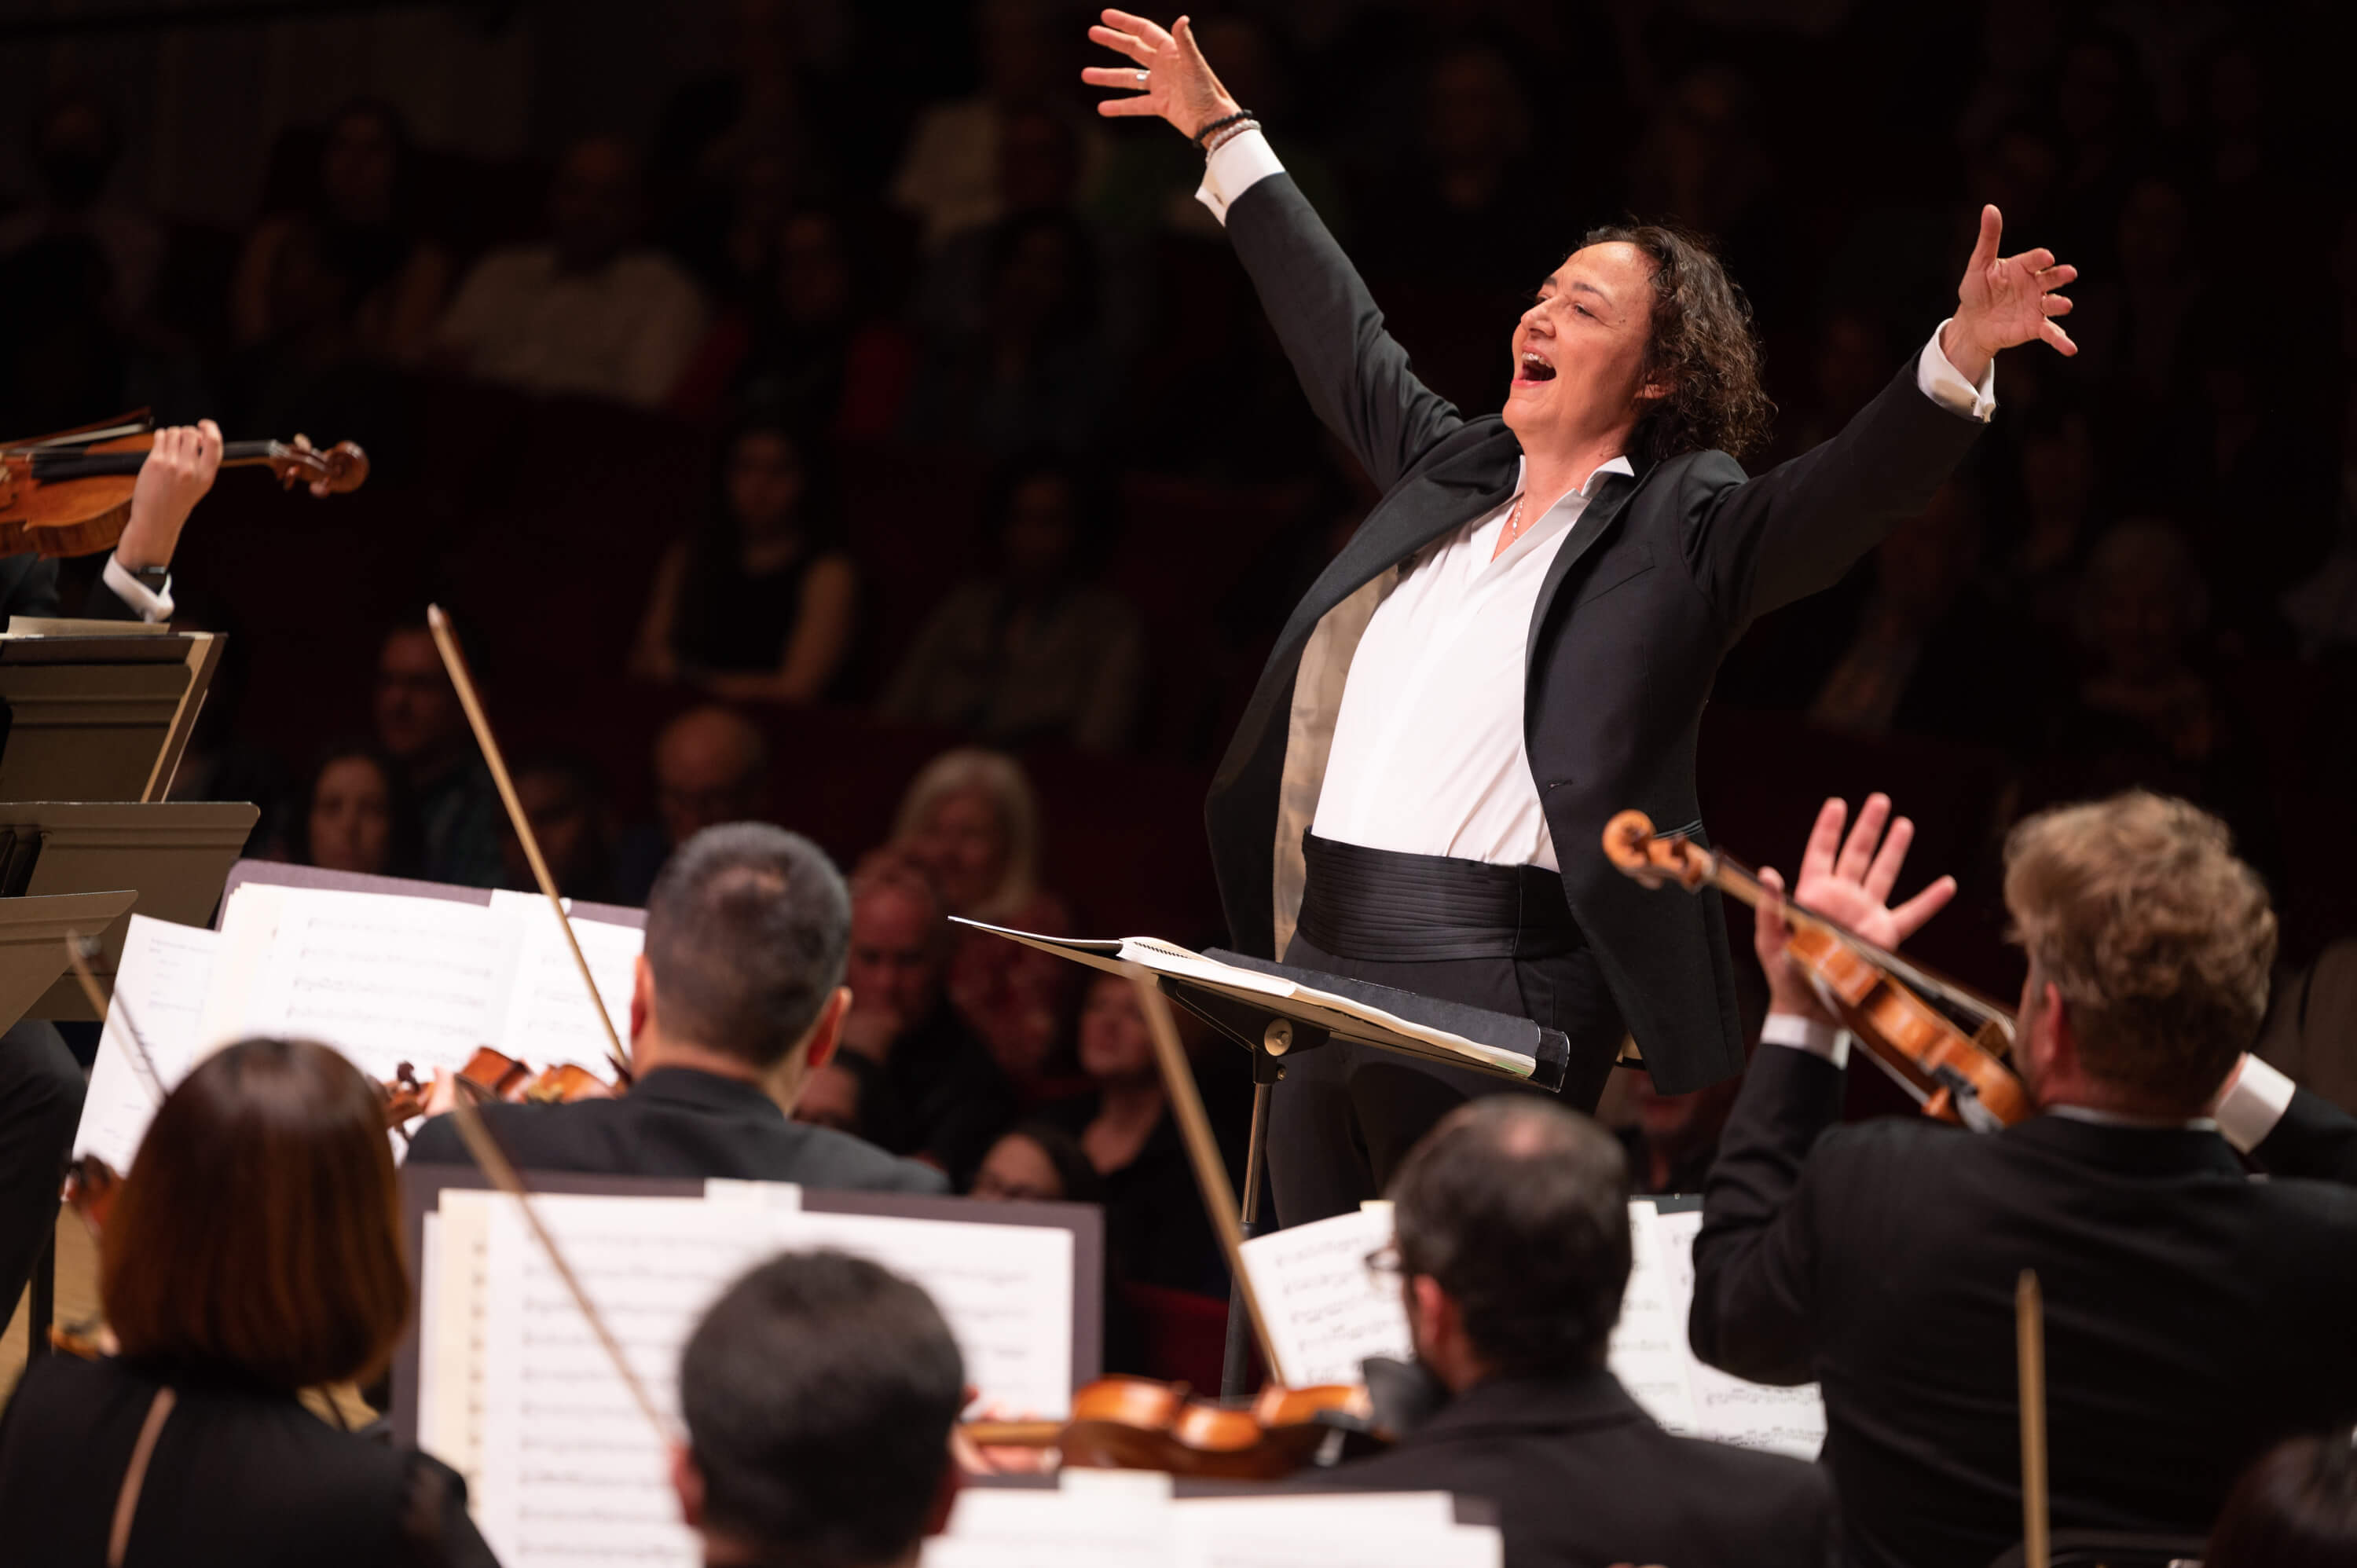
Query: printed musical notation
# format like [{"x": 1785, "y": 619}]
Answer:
[{"x": 1326, "y": 1311}]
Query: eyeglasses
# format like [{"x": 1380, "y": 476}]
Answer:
[{"x": 1383, "y": 1267}]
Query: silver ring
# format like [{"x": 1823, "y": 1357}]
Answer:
[{"x": 1143, "y": 78}]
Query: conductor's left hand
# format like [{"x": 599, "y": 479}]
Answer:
[
  {"x": 2006, "y": 300},
  {"x": 180, "y": 470},
  {"x": 1847, "y": 881}
]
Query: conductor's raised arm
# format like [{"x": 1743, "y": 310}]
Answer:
[{"x": 1356, "y": 374}]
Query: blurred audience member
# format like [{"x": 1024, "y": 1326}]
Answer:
[
  {"x": 949, "y": 178},
  {"x": 952, "y": 1097},
  {"x": 970, "y": 821},
  {"x": 1037, "y": 654},
  {"x": 421, "y": 725},
  {"x": 1036, "y": 369},
  {"x": 74, "y": 143},
  {"x": 1037, "y": 1162},
  {"x": 391, "y": 278},
  {"x": 1156, "y": 1229},
  {"x": 711, "y": 766},
  {"x": 1672, "y": 1142},
  {"x": 566, "y": 801},
  {"x": 811, "y": 341},
  {"x": 356, "y": 814},
  {"x": 1851, "y": 360},
  {"x": 1704, "y": 163},
  {"x": 1476, "y": 214},
  {"x": 2295, "y": 1507},
  {"x": 587, "y": 313},
  {"x": 2058, "y": 476},
  {"x": 760, "y": 602}
]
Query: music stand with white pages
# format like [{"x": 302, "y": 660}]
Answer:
[{"x": 1275, "y": 1012}]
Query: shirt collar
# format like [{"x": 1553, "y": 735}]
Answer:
[
  {"x": 1620, "y": 465},
  {"x": 2095, "y": 1118}
]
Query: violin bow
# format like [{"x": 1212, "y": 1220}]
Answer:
[
  {"x": 2029, "y": 1351},
  {"x": 78, "y": 950},
  {"x": 1202, "y": 1150},
  {"x": 454, "y": 662},
  {"x": 496, "y": 1165}
]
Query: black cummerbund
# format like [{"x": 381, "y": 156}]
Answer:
[{"x": 1380, "y": 905}]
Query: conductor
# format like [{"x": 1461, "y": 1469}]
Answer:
[{"x": 1520, "y": 638}]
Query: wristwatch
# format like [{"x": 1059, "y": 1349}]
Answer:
[{"x": 154, "y": 579}]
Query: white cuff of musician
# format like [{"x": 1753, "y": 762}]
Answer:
[
  {"x": 1827, "y": 1042},
  {"x": 151, "y": 605},
  {"x": 2252, "y": 1108}
]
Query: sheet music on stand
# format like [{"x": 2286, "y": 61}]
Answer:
[
  {"x": 1328, "y": 1314},
  {"x": 502, "y": 1379}
]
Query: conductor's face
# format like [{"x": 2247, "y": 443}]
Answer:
[{"x": 1580, "y": 349}]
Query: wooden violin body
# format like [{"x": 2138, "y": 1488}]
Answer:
[
  {"x": 1953, "y": 1075},
  {"x": 1137, "y": 1423},
  {"x": 70, "y": 493}
]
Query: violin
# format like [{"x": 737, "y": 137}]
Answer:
[
  {"x": 1137, "y": 1423},
  {"x": 70, "y": 493},
  {"x": 1879, "y": 997}
]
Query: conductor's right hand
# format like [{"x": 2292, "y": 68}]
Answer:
[{"x": 1170, "y": 78}]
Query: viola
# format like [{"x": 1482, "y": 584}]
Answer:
[
  {"x": 1137, "y": 1423},
  {"x": 1954, "y": 1075},
  {"x": 70, "y": 493}
]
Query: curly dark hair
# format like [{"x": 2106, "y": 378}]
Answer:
[{"x": 1702, "y": 345}]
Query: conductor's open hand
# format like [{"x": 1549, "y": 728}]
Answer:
[
  {"x": 2006, "y": 300},
  {"x": 1848, "y": 881},
  {"x": 1171, "y": 76}
]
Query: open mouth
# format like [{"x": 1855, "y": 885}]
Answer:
[{"x": 1532, "y": 368}]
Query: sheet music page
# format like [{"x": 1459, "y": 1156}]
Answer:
[
  {"x": 160, "y": 985},
  {"x": 1649, "y": 1352},
  {"x": 453, "y": 1297},
  {"x": 1728, "y": 1409},
  {"x": 1004, "y": 1290},
  {"x": 1067, "y": 1528},
  {"x": 573, "y": 1477},
  {"x": 1325, "y": 1311},
  {"x": 385, "y": 979},
  {"x": 1342, "y": 1536},
  {"x": 248, "y": 926},
  {"x": 547, "y": 1018}
]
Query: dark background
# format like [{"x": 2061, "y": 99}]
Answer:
[{"x": 2148, "y": 575}]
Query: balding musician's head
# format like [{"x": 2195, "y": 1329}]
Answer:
[{"x": 711, "y": 766}]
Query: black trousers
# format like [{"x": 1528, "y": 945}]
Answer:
[
  {"x": 40, "y": 1106},
  {"x": 1345, "y": 1116}
]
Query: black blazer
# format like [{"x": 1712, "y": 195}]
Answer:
[
  {"x": 28, "y": 586},
  {"x": 241, "y": 1477},
  {"x": 675, "y": 1121},
  {"x": 1659, "y": 579},
  {"x": 2193, "y": 1316},
  {"x": 1583, "y": 1478}
]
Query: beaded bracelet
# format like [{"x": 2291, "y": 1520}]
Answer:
[
  {"x": 1205, "y": 131},
  {"x": 1230, "y": 134}
]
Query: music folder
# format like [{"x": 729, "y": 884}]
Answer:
[
  {"x": 98, "y": 709},
  {"x": 1241, "y": 997}
]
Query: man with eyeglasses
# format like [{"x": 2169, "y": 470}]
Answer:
[{"x": 1512, "y": 1220}]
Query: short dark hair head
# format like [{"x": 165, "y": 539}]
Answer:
[
  {"x": 2294, "y": 1508},
  {"x": 1519, "y": 1209},
  {"x": 259, "y": 1230},
  {"x": 819, "y": 1392},
  {"x": 747, "y": 928},
  {"x": 1702, "y": 344}
]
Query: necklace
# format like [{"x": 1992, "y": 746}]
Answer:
[{"x": 1512, "y": 532}]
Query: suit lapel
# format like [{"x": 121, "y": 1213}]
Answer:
[
  {"x": 1469, "y": 483},
  {"x": 1593, "y": 525}
]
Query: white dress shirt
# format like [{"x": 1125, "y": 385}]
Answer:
[{"x": 1427, "y": 755}]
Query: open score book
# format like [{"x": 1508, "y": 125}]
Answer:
[{"x": 383, "y": 978}]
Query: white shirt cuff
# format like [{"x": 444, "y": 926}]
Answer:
[
  {"x": 2254, "y": 1106},
  {"x": 1827, "y": 1042},
  {"x": 1241, "y": 163},
  {"x": 1946, "y": 385},
  {"x": 151, "y": 605}
]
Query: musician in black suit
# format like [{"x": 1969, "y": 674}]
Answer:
[
  {"x": 1513, "y": 1251},
  {"x": 740, "y": 997},
  {"x": 2193, "y": 1315},
  {"x": 1519, "y": 640},
  {"x": 40, "y": 1082}
]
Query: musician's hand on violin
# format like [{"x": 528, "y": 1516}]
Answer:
[
  {"x": 317, "y": 487},
  {"x": 442, "y": 1094},
  {"x": 1848, "y": 880},
  {"x": 174, "y": 478}
]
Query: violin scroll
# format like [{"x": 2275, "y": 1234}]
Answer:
[{"x": 1654, "y": 859}]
